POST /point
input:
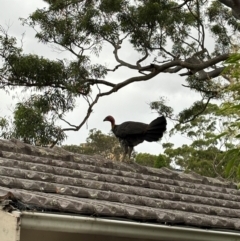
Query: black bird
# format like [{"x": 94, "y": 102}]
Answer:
[{"x": 132, "y": 133}]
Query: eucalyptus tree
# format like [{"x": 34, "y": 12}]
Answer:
[
  {"x": 171, "y": 36},
  {"x": 98, "y": 143}
]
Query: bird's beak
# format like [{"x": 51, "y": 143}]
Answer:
[{"x": 105, "y": 119}]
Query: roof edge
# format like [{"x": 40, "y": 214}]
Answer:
[{"x": 90, "y": 225}]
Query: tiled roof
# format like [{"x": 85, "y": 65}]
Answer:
[{"x": 44, "y": 179}]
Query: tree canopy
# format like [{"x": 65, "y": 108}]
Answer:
[
  {"x": 171, "y": 36},
  {"x": 98, "y": 143},
  {"x": 150, "y": 160}
]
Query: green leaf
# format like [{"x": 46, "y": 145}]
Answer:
[{"x": 229, "y": 167}]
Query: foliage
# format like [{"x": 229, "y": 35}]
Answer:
[
  {"x": 162, "y": 161},
  {"x": 5, "y": 129},
  {"x": 232, "y": 107},
  {"x": 32, "y": 125},
  {"x": 233, "y": 66},
  {"x": 170, "y": 35},
  {"x": 73, "y": 148},
  {"x": 98, "y": 143},
  {"x": 213, "y": 140},
  {"x": 147, "y": 159}
]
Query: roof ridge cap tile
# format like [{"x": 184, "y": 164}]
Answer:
[{"x": 27, "y": 149}]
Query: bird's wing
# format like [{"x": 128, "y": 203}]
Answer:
[{"x": 129, "y": 128}]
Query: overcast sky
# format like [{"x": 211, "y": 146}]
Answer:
[{"x": 130, "y": 103}]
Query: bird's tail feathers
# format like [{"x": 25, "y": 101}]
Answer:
[{"x": 155, "y": 129}]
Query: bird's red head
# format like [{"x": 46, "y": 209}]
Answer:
[{"x": 111, "y": 119}]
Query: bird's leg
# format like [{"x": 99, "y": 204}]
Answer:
[
  {"x": 125, "y": 152},
  {"x": 130, "y": 149}
]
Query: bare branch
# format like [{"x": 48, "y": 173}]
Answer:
[
  {"x": 121, "y": 62},
  {"x": 185, "y": 64},
  {"x": 98, "y": 81},
  {"x": 211, "y": 74},
  {"x": 115, "y": 68},
  {"x": 67, "y": 122},
  {"x": 114, "y": 89},
  {"x": 181, "y": 5},
  {"x": 142, "y": 59},
  {"x": 200, "y": 112}
]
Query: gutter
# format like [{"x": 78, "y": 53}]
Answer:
[{"x": 115, "y": 228}]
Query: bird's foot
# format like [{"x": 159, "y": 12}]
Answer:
[{"x": 128, "y": 160}]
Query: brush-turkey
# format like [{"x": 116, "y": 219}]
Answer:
[{"x": 132, "y": 133}]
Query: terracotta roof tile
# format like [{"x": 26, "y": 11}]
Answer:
[{"x": 44, "y": 179}]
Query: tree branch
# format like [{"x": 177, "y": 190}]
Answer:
[
  {"x": 181, "y": 5},
  {"x": 118, "y": 86},
  {"x": 115, "y": 68},
  {"x": 234, "y": 5},
  {"x": 200, "y": 112},
  {"x": 211, "y": 74},
  {"x": 121, "y": 62},
  {"x": 114, "y": 89},
  {"x": 196, "y": 67},
  {"x": 98, "y": 81}
]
